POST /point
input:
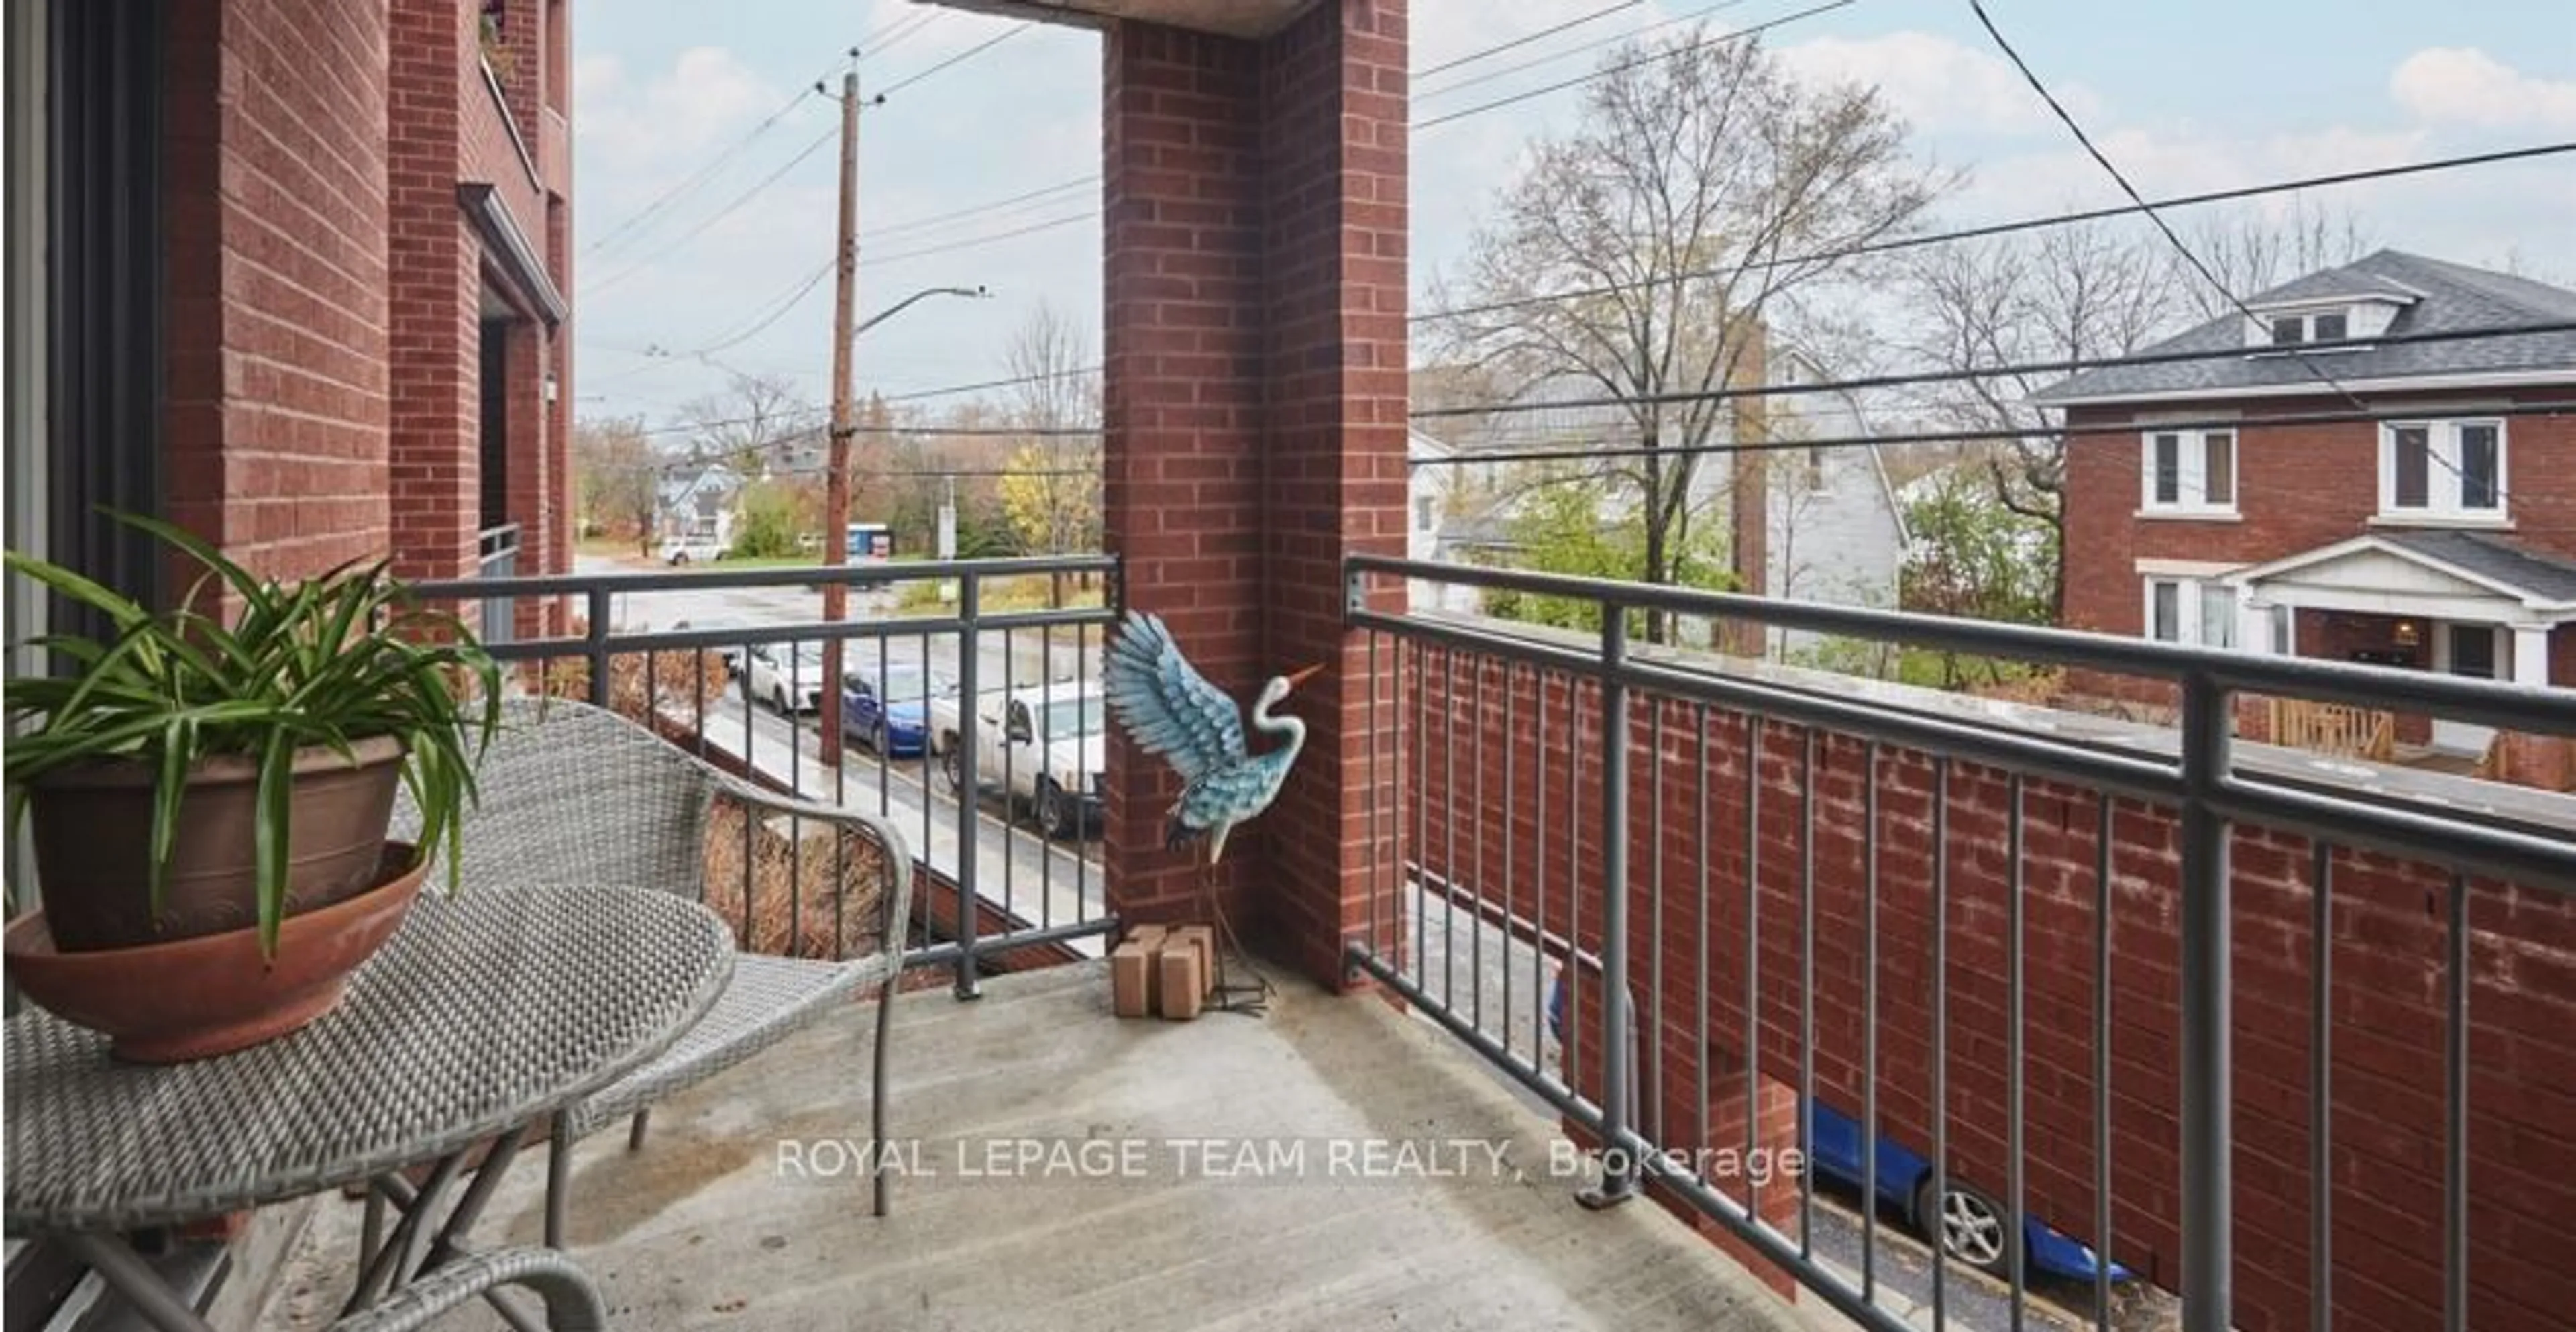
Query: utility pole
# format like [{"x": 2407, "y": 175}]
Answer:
[{"x": 836, "y": 486}]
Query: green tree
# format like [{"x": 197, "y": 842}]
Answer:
[
  {"x": 773, "y": 514},
  {"x": 1978, "y": 558},
  {"x": 1562, "y": 528}
]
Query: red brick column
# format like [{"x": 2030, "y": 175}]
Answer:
[{"x": 1255, "y": 416}]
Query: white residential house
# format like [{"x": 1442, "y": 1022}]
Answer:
[
  {"x": 1837, "y": 532},
  {"x": 1837, "y": 529},
  {"x": 697, "y": 502}
]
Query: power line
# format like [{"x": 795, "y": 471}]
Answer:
[
  {"x": 1540, "y": 35},
  {"x": 793, "y": 299},
  {"x": 2128, "y": 430},
  {"x": 968, "y": 54},
  {"x": 699, "y": 177},
  {"x": 896, "y": 30},
  {"x": 2086, "y": 140},
  {"x": 952, "y": 390},
  {"x": 1891, "y": 244},
  {"x": 1555, "y": 56},
  {"x": 996, "y": 205},
  {"x": 943, "y": 247},
  {"x": 1637, "y": 63},
  {"x": 1968, "y": 373},
  {"x": 719, "y": 215}
]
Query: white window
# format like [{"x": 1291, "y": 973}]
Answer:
[
  {"x": 2188, "y": 472},
  {"x": 1422, "y": 513},
  {"x": 2442, "y": 470},
  {"x": 2191, "y": 611}
]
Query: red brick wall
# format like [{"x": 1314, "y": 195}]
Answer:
[
  {"x": 1254, "y": 408},
  {"x": 2298, "y": 488},
  {"x": 437, "y": 285},
  {"x": 2387, "y": 1015},
  {"x": 276, "y": 275}
]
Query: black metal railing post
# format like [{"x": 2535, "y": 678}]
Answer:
[
  {"x": 595, "y": 643},
  {"x": 969, "y": 766},
  {"x": 1618, "y": 1027},
  {"x": 2208, "y": 1241}
]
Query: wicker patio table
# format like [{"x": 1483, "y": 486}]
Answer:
[{"x": 485, "y": 1013}]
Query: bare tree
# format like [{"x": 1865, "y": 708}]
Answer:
[
  {"x": 618, "y": 475},
  {"x": 1700, "y": 186},
  {"x": 2063, "y": 294},
  {"x": 746, "y": 423},
  {"x": 1052, "y": 493},
  {"x": 2251, "y": 252}
]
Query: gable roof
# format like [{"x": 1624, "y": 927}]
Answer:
[
  {"x": 2540, "y": 580},
  {"x": 2435, "y": 297}
]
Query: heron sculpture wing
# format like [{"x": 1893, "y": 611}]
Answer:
[{"x": 1167, "y": 707}]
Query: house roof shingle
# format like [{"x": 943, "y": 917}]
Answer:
[
  {"x": 2540, "y": 574},
  {"x": 2444, "y": 297}
]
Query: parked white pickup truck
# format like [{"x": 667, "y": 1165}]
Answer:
[{"x": 1043, "y": 744}]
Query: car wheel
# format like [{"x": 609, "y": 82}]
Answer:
[
  {"x": 778, "y": 700},
  {"x": 1055, "y": 811},
  {"x": 952, "y": 765},
  {"x": 680, "y": 557},
  {"x": 1972, "y": 1228}
]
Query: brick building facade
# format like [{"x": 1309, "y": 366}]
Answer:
[
  {"x": 2443, "y": 539},
  {"x": 294, "y": 274}
]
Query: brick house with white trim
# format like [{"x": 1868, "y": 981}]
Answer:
[{"x": 2444, "y": 540}]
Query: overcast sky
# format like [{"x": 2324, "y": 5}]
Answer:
[{"x": 692, "y": 229}]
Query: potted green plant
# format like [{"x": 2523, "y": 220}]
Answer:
[{"x": 208, "y": 796}]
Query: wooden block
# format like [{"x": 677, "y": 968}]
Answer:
[
  {"x": 1149, "y": 935},
  {"x": 1200, "y": 939},
  {"x": 1184, "y": 983},
  {"x": 1131, "y": 980}
]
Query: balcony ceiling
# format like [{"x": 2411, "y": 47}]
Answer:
[{"x": 1231, "y": 18}]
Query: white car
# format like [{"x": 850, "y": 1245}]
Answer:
[
  {"x": 786, "y": 676},
  {"x": 683, "y": 549},
  {"x": 1045, "y": 744}
]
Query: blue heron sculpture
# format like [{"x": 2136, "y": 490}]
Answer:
[{"x": 1169, "y": 709}]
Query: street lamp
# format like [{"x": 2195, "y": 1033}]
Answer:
[
  {"x": 976, "y": 292},
  {"x": 836, "y": 497}
]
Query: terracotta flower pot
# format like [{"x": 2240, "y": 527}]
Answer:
[
  {"x": 91, "y": 828},
  {"x": 214, "y": 993}
]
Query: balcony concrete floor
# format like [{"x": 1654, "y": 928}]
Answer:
[{"x": 705, "y": 1227}]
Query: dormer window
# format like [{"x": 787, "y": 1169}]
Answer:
[
  {"x": 2291, "y": 330},
  {"x": 2348, "y": 323}
]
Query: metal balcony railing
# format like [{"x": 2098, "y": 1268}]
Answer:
[
  {"x": 2124, "y": 995},
  {"x": 733, "y": 663},
  {"x": 497, "y": 550}
]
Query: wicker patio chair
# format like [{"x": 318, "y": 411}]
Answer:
[
  {"x": 572, "y": 1302},
  {"x": 575, "y": 793}
]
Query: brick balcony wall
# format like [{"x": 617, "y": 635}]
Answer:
[
  {"x": 277, "y": 261},
  {"x": 1254, "y": 410},
  {"x": 2387, "y": 1025}
]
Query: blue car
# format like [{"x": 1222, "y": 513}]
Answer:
[
  {"x": 889, "y": 711},
  {"x": 1972, "y": 1223}
]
